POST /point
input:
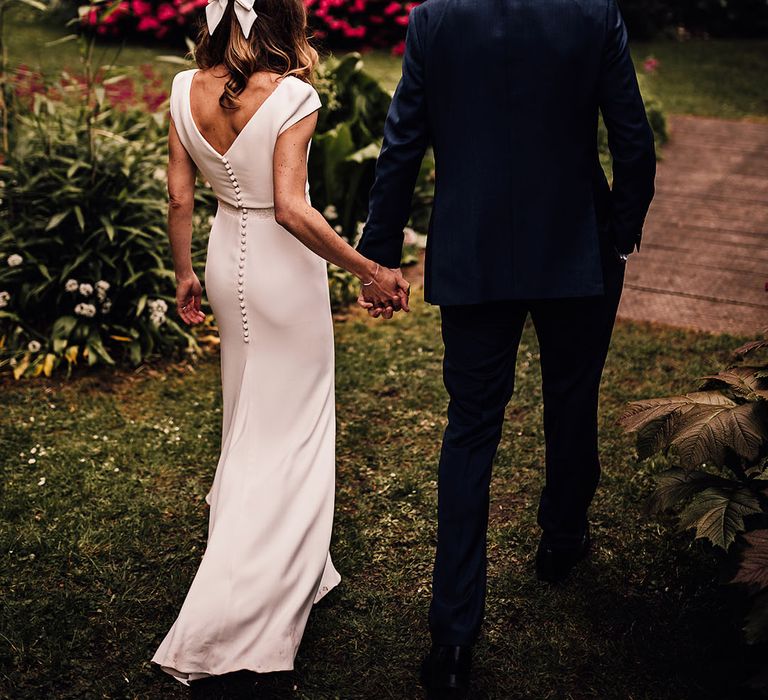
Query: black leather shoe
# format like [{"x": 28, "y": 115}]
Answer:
[
  {"x": 553, "y": 564},
  {"x": 445, "y": 672}
]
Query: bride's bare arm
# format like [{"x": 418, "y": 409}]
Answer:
[
  {"x": 181, "y": 202},
  {"x": 296, "y": 215}
]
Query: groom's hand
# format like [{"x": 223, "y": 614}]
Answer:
[{"x": 389, "y": 293}]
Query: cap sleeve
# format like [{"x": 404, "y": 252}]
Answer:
[
  {"x": 303, "y": 101},
  {"x": 178, "y": 88}
]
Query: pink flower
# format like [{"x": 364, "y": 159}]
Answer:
[
  {"x": 141, "y": 8},
  {"x": 148, "y": 24},
  {"x": 91, "y": 18},
  {"x": 651, "y": 64},
  {"x": 166, "y": 12}
]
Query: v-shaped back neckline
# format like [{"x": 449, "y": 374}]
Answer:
[{"x": 245, "y": 126}]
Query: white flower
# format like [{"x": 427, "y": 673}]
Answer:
[
  {"x": 14, "y": 259},
  {"x": 41, "y": 482},
  {"x": 87, "y": 310},
  {"x": 338, "y": 229},
  {"x": 157, "y": 306},
  {"x": 106, "y": 306},
  {"x": 5, "y": 297},
  {"x": 157, "y": 318},
  {"x": 330, "y": 212},
  {"x": 71, "y": 285},
  {"x": 86, "y": 289},
  {"x": 101, "y": 289},
  {"x": 34, "y": 346}
]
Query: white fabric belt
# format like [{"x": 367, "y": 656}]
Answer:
[{"x": 258, "y": 212}]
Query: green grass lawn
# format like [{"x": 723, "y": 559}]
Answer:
[
  {"x": 103, "y": 523},
  {"x": 723, "y": 78}
]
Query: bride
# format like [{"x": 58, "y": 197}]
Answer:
[{"x": 244, "y": 119}]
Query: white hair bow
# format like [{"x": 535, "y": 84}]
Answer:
[{"x": 243, "y": 11}]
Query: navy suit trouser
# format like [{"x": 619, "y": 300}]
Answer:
[{"x": 481, "y": 343}]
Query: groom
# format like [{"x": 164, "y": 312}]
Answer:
[{"x": 507, "y": 92}]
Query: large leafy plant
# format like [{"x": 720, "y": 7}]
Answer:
[
  {"x": 717, "y": 437},
  {"x": 347, "y": 141},
  {"x": 84, "y": 271}
]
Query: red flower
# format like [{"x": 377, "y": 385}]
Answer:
[
  {"x": 651, "y": 64},
  {"x": 148, "y": 24},
  {"x": 166, "y": 12},
  {"x": 141, "y": 8}
]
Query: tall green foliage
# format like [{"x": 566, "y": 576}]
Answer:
[
  {"x": 84, "y": 270},
  {"x": 347, "y": 142},
  {"x": 718, "y": 438}
]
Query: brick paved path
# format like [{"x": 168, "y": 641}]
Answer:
[{"x": 703, "y": 262}]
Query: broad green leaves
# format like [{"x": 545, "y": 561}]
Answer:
[
  {"x": 718, "y": 514},
  {"x": 723, "y": 426},
  {"x": 705, "y": 426},
  {"x": 84, "y": 202}
]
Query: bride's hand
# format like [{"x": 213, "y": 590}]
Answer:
[
  {"x": 189, "y": 294},
  {"x": 388, "y": 293}
]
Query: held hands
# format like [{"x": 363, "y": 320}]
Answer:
[
  {"x": 385, "y": 294},
  {"x": 189, "y": 293}
]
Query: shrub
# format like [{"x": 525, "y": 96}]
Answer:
[
  {"x": 347, "y": 142},
  {"x": 718, "y": 436},
  {"x": 341, "y": 24},
  {"x": 362, "y": 24},
  {"x": 83, "y": 272},
  {"x": 84, "y": 267}
]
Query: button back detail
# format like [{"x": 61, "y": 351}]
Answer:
[{"x": 243, "y": 245}]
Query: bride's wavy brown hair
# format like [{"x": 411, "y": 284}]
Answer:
[{"x": 278, "y": 43}]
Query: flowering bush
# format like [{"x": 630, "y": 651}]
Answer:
[
  {"x": 348, "y": 24},
  {"x": 342, "y": 24},
  {"x": 361, "y": 24},
  {"x": 84, "y": 265},
  {"x": 168, "y": 19},
  {"x": 83, "y": 272}
]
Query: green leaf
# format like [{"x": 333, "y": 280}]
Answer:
[
  {"x": 61, "y": 40},
  {"x": 63, "y": 327},
  {"x": 96, "y": 349},
  {"x": 56, "y": 219},
  {"x": 108, "y": 227},
  {"x": 676, "y": 486},
  {"x": 718, "y": 514},
  {"x": 743, "y": 381},
  {"x": 80, "y": 218},
  {"x": 706, "y": 434},
  {"x": 34, "y": 4}
]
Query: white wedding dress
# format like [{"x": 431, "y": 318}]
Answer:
[{"x": 271, "y": 503}]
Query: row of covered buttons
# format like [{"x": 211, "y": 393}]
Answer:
[{"x": 241, "y": 264}]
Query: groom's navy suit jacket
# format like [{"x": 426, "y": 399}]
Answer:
[{"x": 507, "y": 93}]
